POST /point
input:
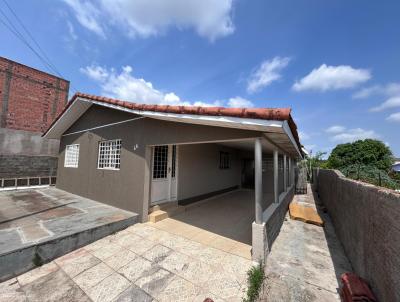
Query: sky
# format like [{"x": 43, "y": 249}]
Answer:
[{"x": 336, "y": 63}]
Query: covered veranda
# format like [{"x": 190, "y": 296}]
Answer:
[{"x": 237, "y": 221}]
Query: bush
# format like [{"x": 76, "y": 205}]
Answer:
[{"x": 371, "y": 175}]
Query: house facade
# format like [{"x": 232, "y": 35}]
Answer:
[{"x": 134, "y": 156}]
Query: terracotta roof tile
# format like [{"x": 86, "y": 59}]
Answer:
[{"x": 280, "y": 114}]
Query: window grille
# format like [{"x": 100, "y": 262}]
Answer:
[
  {"x": 224, "y": 160},
  {"x": 71, "y": 156},
  {"x": 160, "y": 162},
  {"x": 109, "y": 155}
]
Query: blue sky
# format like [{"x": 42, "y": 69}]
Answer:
[{"x": 335, "y": 63}]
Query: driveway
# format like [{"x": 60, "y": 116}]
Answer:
[{"x": 140, "y": 263}]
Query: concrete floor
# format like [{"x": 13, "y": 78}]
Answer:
[
  {"x": 140, "y": 263},
  {"x": 306, "y": 261},
  {"x": 55, "y": 221},
  {"x": 222, "y": 222}
]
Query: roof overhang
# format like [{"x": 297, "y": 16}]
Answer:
[{"x": 275, "y": 129}]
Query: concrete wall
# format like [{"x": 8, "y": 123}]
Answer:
[
  {"x": 199, "y": 170},
  {"x": 275, "y": 220},
  {"x": 19, "y": 142},
  {"x": 24, "y": 154},
  {"x": 13, "y": 166},
  {"x": 126, "y": 188},
  {"x": 367, "y": 222}
]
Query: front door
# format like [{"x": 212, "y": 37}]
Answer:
[{"x": 164, "y": 183}]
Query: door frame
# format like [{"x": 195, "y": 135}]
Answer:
[{"x": 169, "y": 166}]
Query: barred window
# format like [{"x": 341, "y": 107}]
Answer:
[
  {"x": 71, "y": 156},
  {"x": 109, "y": 155},
  {"x": 224, "y": 160},
  {"x": 160, "y": 162}
]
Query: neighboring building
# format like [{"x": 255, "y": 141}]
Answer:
[
  {"x": 29, "y": 101},
  {"x": 396, "y": 165},
  {"x": 134, "y": 156}
]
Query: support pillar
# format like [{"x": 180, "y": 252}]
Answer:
[
  {"x": 276, "y": 177},
  {"x": 285, "y": 174},
  {"x": 290, "y": 172},
  {"x": 258, "y": 179}
]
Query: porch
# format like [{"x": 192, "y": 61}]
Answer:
[{"x": 231, "y": 195}]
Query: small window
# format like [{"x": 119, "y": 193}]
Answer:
[
  {"x": 109, "y": 155},
  {"x": 224, "y": 161},
  {"x": 71, "y": 156}
]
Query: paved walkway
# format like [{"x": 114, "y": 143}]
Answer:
[
  {"x": 140, "y": 263},
  {"x": 305, "y": 262}
]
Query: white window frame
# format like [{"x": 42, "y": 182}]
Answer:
[
  {"x": 112, "y": 158},
  {"x": 71, "y": 159}
]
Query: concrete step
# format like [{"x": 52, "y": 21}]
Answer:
[
  {"x": 164, "y": 206},
  {"x": 160, "y": 212},
  {"x": 157, "y": 216}
]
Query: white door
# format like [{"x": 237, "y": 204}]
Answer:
[{"x": 164, "y": 180}]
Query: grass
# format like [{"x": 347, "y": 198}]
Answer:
[{"x": 255, "y": 279}]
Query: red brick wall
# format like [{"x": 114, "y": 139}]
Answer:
[{"x": 29, "y": 99}]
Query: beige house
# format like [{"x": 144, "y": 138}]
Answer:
[{"x": 136, "y": 156}]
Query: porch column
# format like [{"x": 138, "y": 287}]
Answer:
[
  {"x": 285, "y": 180},
  {"x": 258, "y": 179},
  {"x": 276, "y": 177},
  {"x": 290, "y": 172}
]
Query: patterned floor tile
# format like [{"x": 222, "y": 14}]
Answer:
[
  {"x": 54, "y": 287},
  {"x": 75, "y": 263},
  {"x": 156, "y": 282},
  {"x": 108, "y": 289},
  {"x": 157, "y": 253},
  {"x": 120, "y": 259},
  {"x": 92, "y": 276},
  {"x": 178, "y": 290},
  {"x": 134, "y": 294},
  {"x": 139, "y": 267}
]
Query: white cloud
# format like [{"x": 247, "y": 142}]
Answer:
[
  {"x": 71, "y": 31},
  {"x": 211, "y": 19},
  {"x": 335, "y": 129},
  {"x": 266, "y": 73},
  {"x": 88, "y": 15},
  {"x": 327, "y": 78},
  {"x": 239, "y": 102},
  {"x": 394, "y": 117},
  {"x": 125, "y": 86},
  {"x": 388, "y": 90},
  {"x": 389, "y": 103},
  {"x": 352, "y": 135}
]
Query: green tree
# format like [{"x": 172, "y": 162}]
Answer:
[{"x": 368, "y": 152}]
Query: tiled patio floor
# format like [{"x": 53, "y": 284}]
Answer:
[
  {"x": 141, "y": 263},
  {"x": 222, "y": 222}
]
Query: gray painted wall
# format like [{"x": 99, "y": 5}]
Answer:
[
  {"x": 199, "y": 171},
  {"x": 367, "y": 222},
  {"x": 127, "y": 187}
]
